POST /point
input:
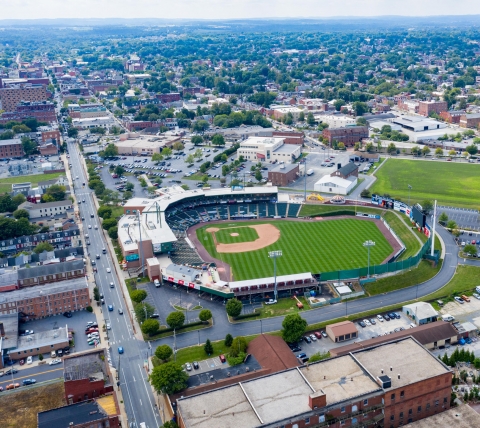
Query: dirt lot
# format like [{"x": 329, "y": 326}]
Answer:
[{"x": 19, "y": 409}]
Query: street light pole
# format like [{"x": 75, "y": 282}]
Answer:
[
  {"x": 274, "y": 255},
  {"x": 368, "y": 244},
  {"x": 409, "y": 189},
  {"x": 305, "y": 172}
]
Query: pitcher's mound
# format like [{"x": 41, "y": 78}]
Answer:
[{"x": 234, "y": 234}]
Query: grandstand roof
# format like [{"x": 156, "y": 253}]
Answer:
[{"x": 270, "y": 280}]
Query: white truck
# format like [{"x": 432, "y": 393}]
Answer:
[
  {"x": 310, "y": 172},
  {"x": 448, "y": 318}
]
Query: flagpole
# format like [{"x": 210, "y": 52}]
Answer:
[{"x": 433, "y": 234}]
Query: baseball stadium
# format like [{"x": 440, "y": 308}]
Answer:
[{"x": 223, "y": 241}]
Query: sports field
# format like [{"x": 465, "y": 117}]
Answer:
[
  {"x": 319, "y": 246},
  {"x": 236, "y": 234},
  {"x": 450, "y": 183}
]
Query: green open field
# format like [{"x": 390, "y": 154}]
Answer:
[
  {"x": 6, "y": 183},
  {"x": 307, "y": 247},
  {"x": 245, "y": 234},
  {"x": 450, "y": 183}
]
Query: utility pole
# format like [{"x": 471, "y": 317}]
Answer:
[{"x": 140, "y": 243}]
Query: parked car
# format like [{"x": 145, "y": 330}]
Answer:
[
  {"x": 466, "y": 298},
  {"x": 222, "y": 358},
  {"x": 29, "y": 381},
  {"x": 302, "y": 355},
  {"x": 459, "y": 300},
  {"x": 188, "y": 367},
  {"x": 324, "y": 333},
  {"x": 12, "y": 386},
  {"x": 317, "y": 334},
  {"x": 372, "y": 321},
  {"x": 55, "y": 361},
  {"x": 366, "y": 322},
  {"x": 29, "y": 360},
  {"x": 362, "y": 324},
  {"x": 307, "y": 339},
  {"x": 195, "y": 365},
  {"x": 386, "y": 317},
  {"x": 477, "y": 296}
]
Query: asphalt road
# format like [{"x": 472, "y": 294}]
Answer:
[
  {"x": 39, "y": 373},
  {"x": 137, "y": 394},
  {"x": 221, "y": 326}
]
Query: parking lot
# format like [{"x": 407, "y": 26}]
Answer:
[
  {"x": 464, "y": 217},
  {"x": 78, "y": 323}
]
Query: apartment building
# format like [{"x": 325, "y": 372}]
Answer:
[
  {"x": 348, "y": 136},
  {"x": 48, "y": 209},
  {"x": 50, "y": 272},
  {"x": 409, "y": 106},
  {"x": 11, "y": 148},
  {"x": 452, "y": 116},
  {"x": 13, "y": 95},
  {"x": 470, "y": 120},
  {"x": 427, "y": 107},
  {"x": 351, "y": 390}
]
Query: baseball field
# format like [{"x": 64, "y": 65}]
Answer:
[
  {"x": 450, "y": 183},
  {"x": 307, "y": 246}
]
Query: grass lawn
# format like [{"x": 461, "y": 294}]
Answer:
[
  {"x": 6, "y": 183},
  {"x": 197, "y": 353},
  {"x": 404, "y": 232},
  {"x": 465, "y": 280},
  {"x": 450, "y": 183},
  {"x": 422, "y": 273},
  {"x": 307, "y": 247},
  {"x": 245, "y": 234}
]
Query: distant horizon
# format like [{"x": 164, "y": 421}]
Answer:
[{"x": 191, "y": 10}]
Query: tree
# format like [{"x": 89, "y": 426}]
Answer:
[
  {"x": 205, "y": 315},
  {"x": 341, "y": 146},
  {"x": 43, "y": 246},
  {"x": 427, "y": 207},
  {"x": 163, "y": 352},
  {"x": 169, "y": 424},
  {"x": 425, "y": 151},
  {"x": 169, "y": 378},
  {"x": 96, "y": 294},
  {"x": 339, "y": 104},
  {"x": 198, "y": 154},
  {"x": 360, "y": 108},
  {"x": 200, "y": 126},
  {"x": 157, "y": 157},
  {"x": 443, "y": 218},
  {"x": 310, "y": 119},
  {"x": 143, "y": 182},
  {"x": 471, "y": 149},
  {"x": 239, "y": 345},
  {"x": 470, "y": 250},
  {"x": 150, "y": 327},
  {"x": 21, "y": 214},
  {"x": 301, "y": 117},
  {"x": 438, "y": 151},
  {"x": 108, "y": 223},
  {"x": 208, "y": 348},
  {"x": 196, "y": 140},
  {"x": 218, "y": 140},
  {"x": 57, "y": 192},
  {"x": 72, "y": 132},
  {"x": 29, "y": 146},
  {"x": 104, "y": 212},
  {"x": 151, "y": 190},
  {"x": 258, "y": 175},
  {"x": 17, "y": 200},
  {"x": 294, "y": 327},
  {"x": 452, "y": 153},
  {"x": 138, "y": 296},
  {"x": 228, "y": 340},
  {"x": 189, "y": 159},
  {"x": 119, "y": 170},
  {"x": 175, "y": 319},
  {"x": 361, "y": 121},
  {"x": 392, "y": 149},
  {"x": 167, "y": 151},
  {"x": 129, "y": 186},
  {"x": 113, "y": 232},
  {"x": 365, "y": 193},
  {"x": 451, "y": 224},
  {"x": 143, "y": 311},
  {"x": 110, "y": 151},
  {"x": 178, "y": 146},
  {"x": 234, "y": 307}
]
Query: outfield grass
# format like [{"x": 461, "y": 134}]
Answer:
[
  {"x": 6, "y": 183},
  {"x": 245, "y": 234},
  {"x": 450, "y": 183},
  {"x": 317, "y": 210},
  {"x": 307, "y": 247}
]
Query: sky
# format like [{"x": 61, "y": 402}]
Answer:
[{"x": 230, "y": 9}]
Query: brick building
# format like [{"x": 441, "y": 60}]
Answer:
[
  {"x": 11, "y": 148},
  {"x": 348, "y": 135},
  {"x": 42, "y": 111},
  {"x": 352, "y": 390},
  {"x": 452, "y": 116},
  {"x": 409, "y": 106},
  {"x": 427, "y": 107},
  {"x": 46, "y": 300},
  {"x": 283, "y": 174},
  {"x": 13, "y": 95},
  {"x": 348, "y": 170},
  {"x": 86, "y": 376},
  {"x": 48, "y": 273},
  {"x": 290, "y": 137},
  {"x": 52, "y": 134},
  {"x": 169, "y": 98},
  {"x": 470, "y": 120}
]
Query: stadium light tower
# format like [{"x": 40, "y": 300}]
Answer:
[
  {"x": 273, "y": 255},
  {"x": 409, "y": 189},
  {"x": 368, "y": 244}
]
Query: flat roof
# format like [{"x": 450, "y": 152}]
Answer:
[
  {"x": 340, "y": 378},
  {"x": 10, "y": 141},
  {"x": 271, "y": 280},
  {"x": 43, "y": 338},
  {"x": 10, "y": 326},
  {"x": 81, "y": 413},
  {"x": 148, "y": 141},
  {"x": 419, "y": 365},
  {"x": 462, "y": 416},
  {"x": 87, "y": 365},
  {"x": 286, "y": 148},
  {"x": 284, "y": 168}
]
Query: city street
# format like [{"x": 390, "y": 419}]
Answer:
[{"x": 139, "y": 399}]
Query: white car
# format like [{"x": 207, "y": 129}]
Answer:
[
  {"x": 188, "y": 367},
  {"x": 55, "y": 361},
  {"x": 108, "y": 270},
  {"x": 93, "y": 336},
  {"x": 477, "y": 296},
  {"x": 89, "y": 226},
  {"x": 29, "y": 360},
  {"x": 109, "y": 327},
  {"x": 367, "y": 322},
  {"x": 380, "y": 318}
]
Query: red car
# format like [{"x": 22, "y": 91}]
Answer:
[
  {"x": 222, "y": 358},
  {"x": 317, "y": 334},
  {"x": 91, "y": 330}
]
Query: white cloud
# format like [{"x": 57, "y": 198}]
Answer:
[{"x": 231, "y": 9}]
